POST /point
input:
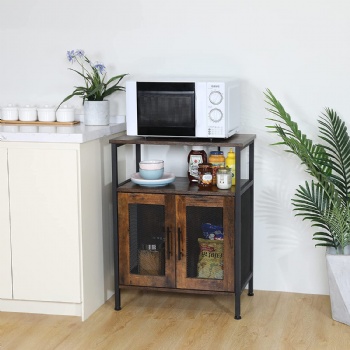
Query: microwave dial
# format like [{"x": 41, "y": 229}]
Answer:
[
  {"x": 215, "y": 97},
  {"x": 215, "y": 115}
]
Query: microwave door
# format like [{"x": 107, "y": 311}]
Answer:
[{"x": 167, "y": 112}]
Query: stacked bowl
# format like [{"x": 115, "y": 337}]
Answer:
[{"x": 151, "y": 169}]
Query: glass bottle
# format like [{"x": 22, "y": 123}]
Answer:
[
  {"x": 195, "y": 157},
  {"x": 217, "y": 160},
  {"x": 230, "y": 162},
  {"x": 223, "y": 178}
]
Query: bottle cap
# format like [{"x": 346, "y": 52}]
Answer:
[{"x": 197, "y": 148}]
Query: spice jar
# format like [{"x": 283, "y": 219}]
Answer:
[
  {"x": 217, "y": 159},
  {"x": 205, "y": 176},
  {"x": 224, "y": 178}
]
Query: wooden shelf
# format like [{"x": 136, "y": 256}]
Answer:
[
  {"x": 20, "y": 122},
  {"x": 181, "y": 185},
  {"x": 237, "y": 140}
]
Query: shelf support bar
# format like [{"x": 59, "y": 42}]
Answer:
[
  {"x": 115, "y": 224},
  {"x": 237, "y": 235},
  {"x": 251, "y": 209}
]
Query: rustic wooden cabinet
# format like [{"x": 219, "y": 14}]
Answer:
[
  {"x": 158, "y": 231},
  {"x": 172, "y": 224}
]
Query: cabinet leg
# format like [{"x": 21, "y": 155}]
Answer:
[
  {"x": 237, "y": 306},
  {"x": 250, "y": 288},
  {"x": 117, "y": 300}
]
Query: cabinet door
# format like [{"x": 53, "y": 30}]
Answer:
[
  {"x": 146, "y": 239},
  {"x": 204, "y": 264},
  {"x": 5, "y": 242},
  {"x": 44, "y": 205}
]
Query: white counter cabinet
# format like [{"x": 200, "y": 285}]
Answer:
[
  {"x": 56, "y": 252},
  {"x": 5, "y": 241}
]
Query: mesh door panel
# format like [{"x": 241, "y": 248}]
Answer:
[
  {"x": 147, "y": 238},
  {"x": 195, "y": 217}
]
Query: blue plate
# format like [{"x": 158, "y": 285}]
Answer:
[{"x": 166, "y": 179}]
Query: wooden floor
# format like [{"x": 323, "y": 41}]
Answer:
[{"x": 150, "y": 320}]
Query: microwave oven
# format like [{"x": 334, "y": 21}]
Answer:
[{"x": 204, "y": 109}]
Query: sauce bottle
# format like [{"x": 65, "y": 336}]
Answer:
[
  {"x": 230, "y": 162},
  {"x": 217, "y": 160},
  {"x": 195, "y": 157}
]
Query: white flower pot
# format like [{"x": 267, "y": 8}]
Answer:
[
  {"x": 96, "y": 112},
  {"x": 338, "y": 267}
]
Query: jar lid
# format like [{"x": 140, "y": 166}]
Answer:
[
  {"x": 66, "y": 107},
  {"x": 47, "y": 107},
  {"x": 9, "y": 107},
  {"x": 27, "y": 107},
  {"x": 224, "y": 170},
  {"x": 216, "y": 153},
  {"x": 197, "y": 148}
]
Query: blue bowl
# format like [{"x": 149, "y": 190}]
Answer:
[{"x": 153, "y": 174}]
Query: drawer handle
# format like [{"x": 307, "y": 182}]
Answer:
[
  {"x": 168, "y": 233},
  {"x": 179, "y": 243}
]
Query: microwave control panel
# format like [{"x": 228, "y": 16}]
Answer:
[{"x": 216, "y": 109}]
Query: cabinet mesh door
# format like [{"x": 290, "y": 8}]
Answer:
[
  {"x": 204, "y": 255},
  {"x": 147, "y": 239}
]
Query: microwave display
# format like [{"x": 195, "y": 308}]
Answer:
[{"x": 166, "y": 109}]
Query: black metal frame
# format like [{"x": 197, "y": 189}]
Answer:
[{"x": 241, "y": 189}]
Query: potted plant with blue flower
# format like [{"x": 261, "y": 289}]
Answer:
[{"x": 95, "y": 88}]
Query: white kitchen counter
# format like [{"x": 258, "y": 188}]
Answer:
[
  {"x": 55, "y": 218},
  {"x": 78, "y": 133}
]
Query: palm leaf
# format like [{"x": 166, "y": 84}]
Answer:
[
  {"x": 325, "y": 203},
  {"x": 334, "y": 132}
]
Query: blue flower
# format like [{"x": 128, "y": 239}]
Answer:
[
  {"x": 100, "y": 67},
  {"x": 79, "y": 53},
  {"x": 71, "y": 56},
  {"x": 94, "y": 88}
]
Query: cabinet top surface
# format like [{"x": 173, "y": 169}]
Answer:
[
  {"x": 78, "y": 133},
  {"x": 237, "y": 140}
]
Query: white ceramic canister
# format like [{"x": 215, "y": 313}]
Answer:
[
  {"x": 9, "y": 112},
  {"x": 46, "y": 113},
  {"x": 27, "y": 113},
  {"x": 65, "y": 114}
]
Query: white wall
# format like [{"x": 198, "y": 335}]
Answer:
[{"x": 299, "y": 49}]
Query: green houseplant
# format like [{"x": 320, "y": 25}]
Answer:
[
  {"x": 95, "y": 87},
  {"x": 325, "y": 199}
]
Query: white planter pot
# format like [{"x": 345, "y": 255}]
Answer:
[
  {"x": 96, "y": 112},
  {"x": 338, "y": 267}
]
